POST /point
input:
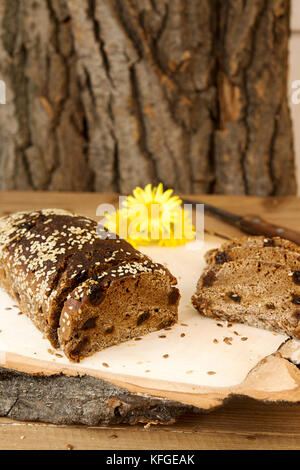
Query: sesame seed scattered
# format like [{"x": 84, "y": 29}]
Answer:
[{"x": 227, "y": 340}]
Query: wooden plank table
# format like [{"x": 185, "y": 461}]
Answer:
[{"x": 240, "y": 424}]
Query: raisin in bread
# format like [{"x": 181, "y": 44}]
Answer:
[
  {"x": 83, "y": 290},
  {"x": 253, "y": 280}
]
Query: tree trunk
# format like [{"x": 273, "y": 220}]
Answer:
[
  {"x": 254, "y": 144},
  {"x": 105, "y": 95}
]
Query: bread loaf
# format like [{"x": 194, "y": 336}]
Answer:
[
  {"x": 253, "y": 280},
  {"x": 83, "y": 290}
]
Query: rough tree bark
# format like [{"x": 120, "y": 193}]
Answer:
[
  {"x": 105, "y": 95},
  {"x": 255, "y": 133},
  {"x": 85, "y": 400}
]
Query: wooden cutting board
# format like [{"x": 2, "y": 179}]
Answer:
[
  {"x": 189, "y": 383},
  {"x": 197, "y": 362}
]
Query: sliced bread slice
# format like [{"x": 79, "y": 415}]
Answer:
[{"x": 254, "y": 281}]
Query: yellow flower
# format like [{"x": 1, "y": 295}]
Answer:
[{"x": 152, "y": 215}]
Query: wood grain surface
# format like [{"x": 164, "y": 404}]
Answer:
[{"x": 241, "y": 424}]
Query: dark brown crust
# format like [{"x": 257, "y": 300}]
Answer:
[{"x": 45, "y": 255}]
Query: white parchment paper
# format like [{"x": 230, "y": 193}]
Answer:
[{"x": 193, "y": 353}]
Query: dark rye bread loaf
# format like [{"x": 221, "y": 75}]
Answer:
[
  {"x": 253, "y": 280},
  {"x": 83, "y": 291}
]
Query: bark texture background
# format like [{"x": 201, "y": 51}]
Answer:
[{"x": 104, "y": 95}]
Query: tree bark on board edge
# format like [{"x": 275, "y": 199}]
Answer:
[
  {"x": 106, "y": 95},
  {"x": 59, "y": 399}
]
